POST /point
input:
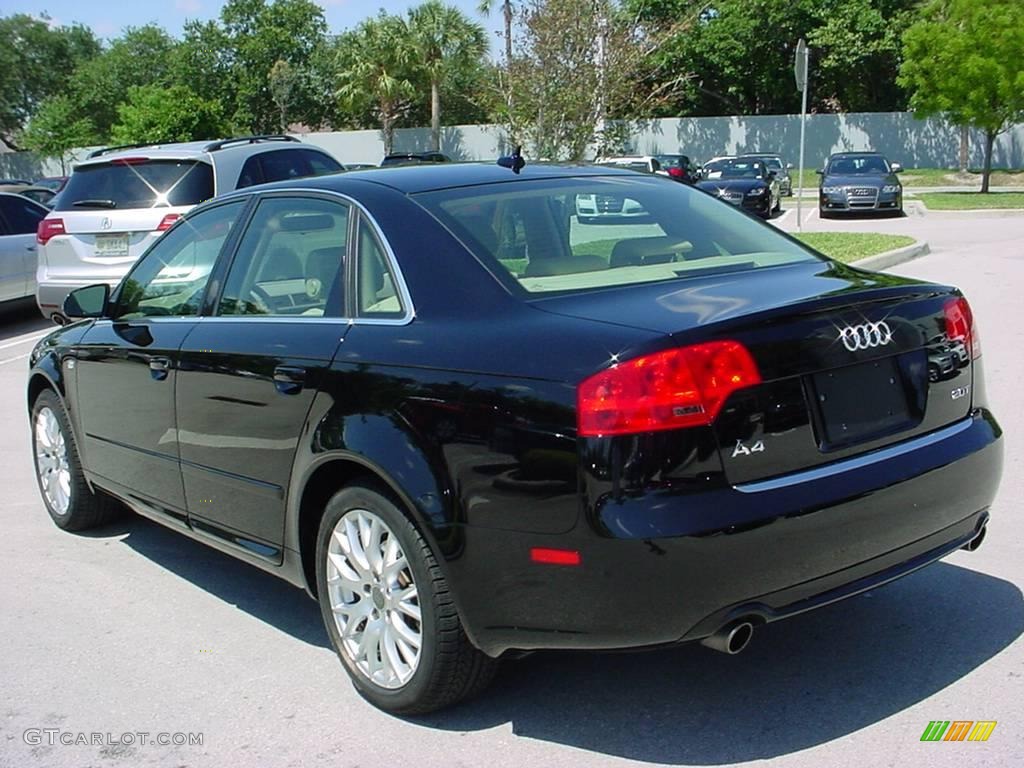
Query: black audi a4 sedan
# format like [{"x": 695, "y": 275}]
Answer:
[
  {"x": 859, "y": 182},
  {"x": 744, "y": 182},
  {"x": 471, "y": 426}
]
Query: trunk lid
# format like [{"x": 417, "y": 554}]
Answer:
[{"x": 850, "y": 360}]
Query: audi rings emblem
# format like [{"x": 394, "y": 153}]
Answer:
[{"x": 865, "y": 336}]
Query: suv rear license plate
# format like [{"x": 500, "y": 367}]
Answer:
[
  {"x": 862, "y": 402},
  {"x": 111, "y": 245}
]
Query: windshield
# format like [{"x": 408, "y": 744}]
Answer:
[
  {"x": 574, "y": 234},
  {"x": 771, "y": 163},
  {"x": 138, "y": 183},
  {"x": 742, "y": 169},
  {"x": 862, "y": 164}
]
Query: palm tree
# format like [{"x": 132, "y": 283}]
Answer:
[
  {"x": 375, "y": 64},
  {"x": 444, "y": 39},
  {"x": 506, "y": 10}
]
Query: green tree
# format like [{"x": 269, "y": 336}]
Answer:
[
  {"x": 56, "y": 129},
  {"x": 258, "y": 34},
  {"x": 36, "y": 62},
  {"x": 141, "y": 56},
  {"x": 376, "y": 72},
  {"x": 283, "y": 81},
  {"x": 964, "y": 59},
  {"x": 445, "y": 41},
  {"x": 157, "y": 114}
]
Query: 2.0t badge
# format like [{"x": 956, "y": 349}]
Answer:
[{"x": 865, "y": 335}]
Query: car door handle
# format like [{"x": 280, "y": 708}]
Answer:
[
  {"x": 289, "y": 379},
  {"x": 159, "y": 367}
]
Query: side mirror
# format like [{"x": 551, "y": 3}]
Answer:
[
  {"x": 789, "y": 166},
  {"x": 820, "y": 172},
  {"x": 895, "y": 167},
  {"x": 90, "y": 301}
]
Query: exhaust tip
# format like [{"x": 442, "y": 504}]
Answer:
[
  {"x": 730, "y": 639},
  {"x": 974, "y": 543}
]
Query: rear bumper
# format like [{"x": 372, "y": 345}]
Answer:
[{"x": 669, "y": 566}]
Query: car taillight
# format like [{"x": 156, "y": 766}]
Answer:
[
  {"x": 682, "y": 387},
  {"x": 960, "y": 325},
  {"x": 167, "y": 222},
  {"x": 676, "y": 173},
  {"x": 49, "y": 228}
]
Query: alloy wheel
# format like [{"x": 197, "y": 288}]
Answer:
[
  {"x": 52, "y": 461},
  {"x": 374, "y": 600}
]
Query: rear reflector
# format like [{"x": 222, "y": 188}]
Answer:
[
  {"x": 555, "y": 556},
  {"x": 677, "y": 388},
  {"x": 960, "y": 325},
  {"x": 48, "y": 228},
  {"x": 167, "y": 222}
]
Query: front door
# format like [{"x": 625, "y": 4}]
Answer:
[
  {"x": 248, "y": 375},
  {"x": 127, "y": 367}
]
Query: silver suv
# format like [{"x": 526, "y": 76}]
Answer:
[{"x": 121, "y": 199}]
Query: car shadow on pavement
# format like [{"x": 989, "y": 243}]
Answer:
[
  {"x": 262, "y": 595},
  {"x": 802, "y": 682}
]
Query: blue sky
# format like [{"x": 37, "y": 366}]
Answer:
[{"x": 108, "y": 17}]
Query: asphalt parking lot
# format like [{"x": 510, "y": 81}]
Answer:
[{"x": 135, "y": 629}]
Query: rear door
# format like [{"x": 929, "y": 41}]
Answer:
[
  {"x": 128, "y": 363},
  {"x": 19, "y": 218},
  {"x": 112, "y": 211},
  {"x": 250, "y": 372}
]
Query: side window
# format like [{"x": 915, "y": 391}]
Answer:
[
  {"x": 171, "y": 277},
  {"x": 321, "y": 164},
  {"x": 22, "y": 216},
  {"x": 251, "y": 173},
  {"x": 283, "y": 164},
  {"x": 289, "y": 261},
  {"x": 375, "y": 285}
]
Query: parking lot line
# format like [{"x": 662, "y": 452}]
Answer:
[
  {"x": 25, "y": 339},
  {"x": 14, "y": 359}
]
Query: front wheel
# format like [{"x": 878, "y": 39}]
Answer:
[
  {"x": 388, "y": 609},
  {"x": 72, "y": 505}
]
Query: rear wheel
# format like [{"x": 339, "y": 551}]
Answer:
[
  {"x": 71, "y": 503},
  {"x": 388, "y": 609}
]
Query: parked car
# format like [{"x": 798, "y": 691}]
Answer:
[
  {"x": 414, "y": 158},
  {"x": 859, "y": 182},
  {"x": 642, "y": 163},
  {"x": 121, "y": 199},
  {"x": 55, "y": 183},
  {"x": 679, "y": 167},
  {"x": 746, "y": 183},
  {"x": 712, "y": 169},
  {"x": 780, "y": 169},
  {"x": 19, "y": 182},
  {"x": 19, "y": 218},
  {"x": 41, "y": 195},
  {"x": 679, "y": 432}
]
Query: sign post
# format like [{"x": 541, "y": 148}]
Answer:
[{"x": 800, "y": 71}]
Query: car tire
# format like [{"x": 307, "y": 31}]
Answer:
[
  {"x": 69, "y": 500},
  {"x": 370, "y": 593}
]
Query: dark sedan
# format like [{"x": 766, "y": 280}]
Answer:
[
  {"x": 472, "y": 426},
  {"x": 744, "y": 182},
  {"x": 859, "y": 182}
]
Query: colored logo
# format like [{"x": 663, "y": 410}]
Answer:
[{"x": 958, "y": 730}]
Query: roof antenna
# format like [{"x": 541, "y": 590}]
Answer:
[{"x": 514, "y": 161}]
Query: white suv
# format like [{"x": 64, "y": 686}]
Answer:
[{"x": 121, "y": 199}]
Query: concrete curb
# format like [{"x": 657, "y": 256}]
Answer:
[
  {"x": 995, "y": 212},
  {"x": 892, "y": 258}
]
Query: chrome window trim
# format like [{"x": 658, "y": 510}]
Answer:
[
  {"x": 857, "y": 462},
  {"x": 400, "y": 285}
]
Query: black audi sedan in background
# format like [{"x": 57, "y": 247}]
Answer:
[
  {"x": 745, "y": 182},
  {"x": 859, "y": 182},
  {"x": 471, "y": 426},
  {"x": 776, "y": 165}
]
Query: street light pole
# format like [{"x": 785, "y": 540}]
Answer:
[{"x": 800, "y": 70}]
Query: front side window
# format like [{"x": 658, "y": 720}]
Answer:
[
  {"x": 575, "y": 234},
  {"x": 171, "y": 277},
  {"x": 137, "y": 183},
  {"x": 289, "y": 261}
]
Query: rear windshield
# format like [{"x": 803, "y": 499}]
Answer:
[
  {"x": 134, "y": 184},
  {"x": 574, "y": 234}
]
